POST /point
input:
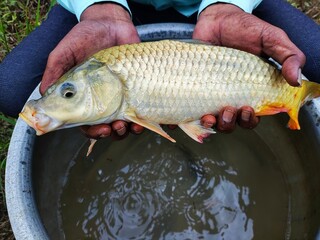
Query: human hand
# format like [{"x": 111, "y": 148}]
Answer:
[
  {"x": 229, "y": 116},
  {"x": 228, "y": 25},
  {"x": 96, "y": 30}
]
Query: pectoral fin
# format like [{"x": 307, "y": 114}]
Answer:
[
  {"x": 195, "y": 130},
  {"x": 155, "y": 127},
  {"x": 92, "y": 143}
]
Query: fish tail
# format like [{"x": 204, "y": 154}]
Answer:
[
  {"x": 312, "y": 90},
  {"x": 309, "y": 90}
]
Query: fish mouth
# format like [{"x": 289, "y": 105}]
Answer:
[{"x": 39, "y": 121}]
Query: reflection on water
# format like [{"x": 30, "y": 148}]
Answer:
[{"x": 148, "y": 188}]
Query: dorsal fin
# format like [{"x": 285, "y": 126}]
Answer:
[{"x": 193, "y": 41}]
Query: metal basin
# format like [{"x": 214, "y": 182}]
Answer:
[{"x": 38, "y": 169}]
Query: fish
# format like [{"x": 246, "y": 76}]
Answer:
[{"x": 166, "y": 82}]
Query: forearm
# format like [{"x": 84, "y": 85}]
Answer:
[
  {"x": 245, "y": 5},
  {"x": 98, "y": 11}
]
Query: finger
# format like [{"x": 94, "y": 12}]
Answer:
[
  {"x": 60, "y": 60},
  {"x": 227, "y": 119},
  {"x": 71, "y": 50},
  {"x": 58, "y": 63},
  {"x": 97, "y": 131},
  {"x": 204, "y": 33},
  {"x": 136, "y": 128},
  {"x": 77, "y": 45},
  {"x": 291, "y": 70},
  {"x": 172, "y": 126},
  {"x": 277, "y": 45},
  {"x": 120, "y": 127},
  {"x": 247, "y": 118},
  {"x": 208, "y": 121},
  {"x": 128, "y": 36}
]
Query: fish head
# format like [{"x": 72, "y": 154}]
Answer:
[{"x": 86, "y": 95}]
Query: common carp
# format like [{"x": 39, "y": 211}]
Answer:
[{"x": 165, "y": 82}]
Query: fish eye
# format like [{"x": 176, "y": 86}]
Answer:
[{"x": 67, "y": 90}]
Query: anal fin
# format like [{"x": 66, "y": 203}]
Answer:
[
  {"x": 195, "y": 130},
  {"x": 92, "y": 143}
]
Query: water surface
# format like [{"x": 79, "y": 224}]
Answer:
[{"x": 245, "y": 185}]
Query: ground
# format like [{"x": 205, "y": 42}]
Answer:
[{"x": 17, "y": 19}]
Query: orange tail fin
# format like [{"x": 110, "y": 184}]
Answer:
[{"x": 309, "y": 91}]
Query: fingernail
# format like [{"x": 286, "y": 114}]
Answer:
[
  {"x": 121, "y": 131},
  {"x": 101, "y": 133},
  {"x": 245, "y": 115},
  {"x": 208, "y": 124},
  {"x": 299, "y": 80},
  {"x": 227, "y": 116},
  {"x": 136, "y": 129}
]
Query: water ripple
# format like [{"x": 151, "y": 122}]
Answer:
[{"x": 170, "y": 194}]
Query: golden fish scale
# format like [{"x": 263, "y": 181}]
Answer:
[{"x": 172, "y": 82}]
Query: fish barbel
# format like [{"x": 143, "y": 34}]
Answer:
[{"x": 165, "y": 82}]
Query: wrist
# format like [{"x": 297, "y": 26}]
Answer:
[
  {"x": 245, "y": 5},
  {"x": 103, "y": 11},
  {"x": 218, "y": 9}
]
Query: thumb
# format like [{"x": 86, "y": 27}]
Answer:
[
  {"x": 60, "y": 61},
  {"x": 81, "y": 42},
  {"x": 206, "y": 32}
]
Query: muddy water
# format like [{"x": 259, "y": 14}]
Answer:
[{"x": 249, "y": 184}]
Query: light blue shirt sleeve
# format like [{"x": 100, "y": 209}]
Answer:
[
  {"x": 186, "y": 8},
  {"x": 78, "y": 6},
  {"x": 245, "y": 5}
]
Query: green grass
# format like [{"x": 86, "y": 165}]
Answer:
[
  {"x": 18, "y": 18},
  {"x": 7, "y": 119}
]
